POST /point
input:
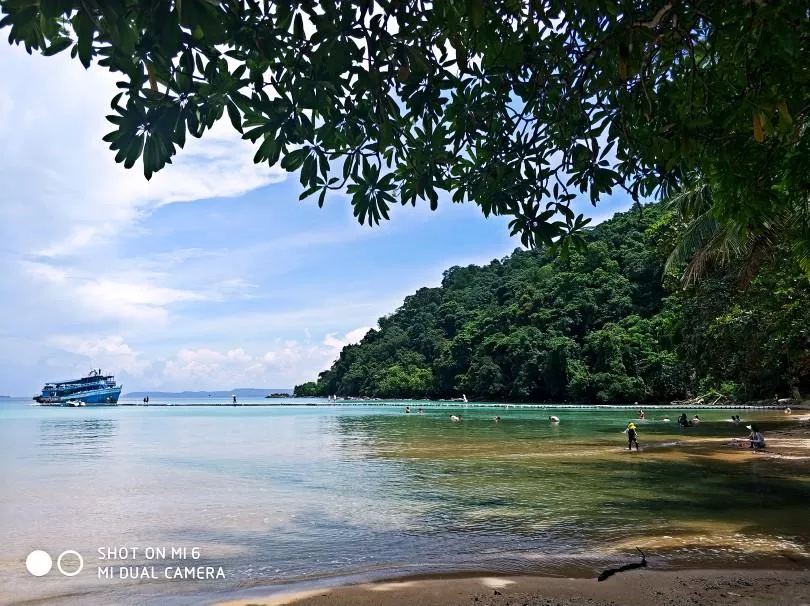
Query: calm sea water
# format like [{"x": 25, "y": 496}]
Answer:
[{"x": 294, "y": 495}]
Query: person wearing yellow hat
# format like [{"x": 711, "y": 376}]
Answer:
[{"x": 632, "y": 436}]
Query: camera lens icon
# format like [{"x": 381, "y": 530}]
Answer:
[
  {"x": 77, "y": 567},
  {"x": 69, "y": 563}
]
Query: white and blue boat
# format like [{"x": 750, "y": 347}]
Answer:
[{"x": 96, "y": 389}]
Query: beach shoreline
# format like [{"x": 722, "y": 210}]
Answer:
[
  {"x": 786, "y": 582},
  {"x": 635, "y": 587}
]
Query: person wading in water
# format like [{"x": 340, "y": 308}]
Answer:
[{"x": 632, "y": 436}]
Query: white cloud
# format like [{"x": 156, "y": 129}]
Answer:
[
  {"x": 132, "y": 297},
  {"x": 110, "y": 352},
  {"x": 354, "y": 336},
  {"x": 239, "y": 355},
  {"x": 62, "y": 187},
  {"x": 284, "y": 363},
  {"x": 351, "y": 337}
]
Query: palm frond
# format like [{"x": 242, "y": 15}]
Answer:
[
  {"x": 801, "y": 252},
  {"x": 695, "y": 236},
  {"x": 692, "y": 202},
  {"x": 723, "y": 246}
]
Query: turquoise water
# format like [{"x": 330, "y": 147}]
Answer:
[{"x": 295, "y": 494}]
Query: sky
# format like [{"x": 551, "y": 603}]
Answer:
[{"x": 213, "y": 275}]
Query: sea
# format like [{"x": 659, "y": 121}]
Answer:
[{"x": 195, "y": 502}]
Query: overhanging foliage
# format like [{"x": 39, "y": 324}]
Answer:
[{"x": 517, "y": 106}]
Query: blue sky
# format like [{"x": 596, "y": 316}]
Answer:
[{"x": 212, "y": 275}]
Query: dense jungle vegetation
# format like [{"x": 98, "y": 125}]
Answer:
[{"x": 604, "y": 324}]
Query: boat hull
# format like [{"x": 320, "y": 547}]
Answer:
[{"x": 95, "y": 397}]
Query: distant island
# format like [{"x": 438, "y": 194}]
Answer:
[{"x": 241, "y": 392}]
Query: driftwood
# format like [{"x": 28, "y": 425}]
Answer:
[
  {"x": 611, "y": 571},
  {"x": 701, "y": 400},
  {"x": 689, "y": 402}
]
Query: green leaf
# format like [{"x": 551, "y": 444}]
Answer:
[
  {"x": 294, "y": 159},
  {"x": 476, "y": 10},
  {"x": 85, "y": 30},
  {"x": 234, "y": 115},
  {"x": 308, "y": 193},
  {"x": 51, "y": 9},
  {"x": 57, "y": 46}
]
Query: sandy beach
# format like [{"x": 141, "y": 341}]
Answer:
[{"x": 634, "y": 588}]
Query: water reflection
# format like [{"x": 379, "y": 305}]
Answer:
[
  {"x": 76, "y": 438},
  {"x": 571, "y": 488}
]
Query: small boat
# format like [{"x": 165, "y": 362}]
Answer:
[{"x": 74, "y": 403}]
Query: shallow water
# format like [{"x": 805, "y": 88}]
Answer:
[{"x": 288, "y": 494}]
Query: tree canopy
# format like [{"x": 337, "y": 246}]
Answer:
[
  {"x": 594, "y": 326},
  {"x": 515, "y": 105}
]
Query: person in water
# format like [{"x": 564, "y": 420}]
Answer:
[
  {"x": 684, "y": 422},
  {"x": 497, "y": 419},
  {"x": 632, "y": 436},
  {"x": 641, "y": 414}
]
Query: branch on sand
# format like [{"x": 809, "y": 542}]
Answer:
[{"x": 611, "y": 571}]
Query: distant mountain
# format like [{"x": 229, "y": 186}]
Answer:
[{"x": 239, "y": 392}]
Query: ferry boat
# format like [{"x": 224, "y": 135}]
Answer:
[{"x": 96, "y": 389}]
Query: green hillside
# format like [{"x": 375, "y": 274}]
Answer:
[{"x": 600, "y": 325}]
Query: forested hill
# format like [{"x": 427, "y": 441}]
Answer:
[{"x": 602, "y": 325}]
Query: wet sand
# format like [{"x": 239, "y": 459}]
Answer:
[
  {"x": 788, "y": 444},
  {"x": 634, "y": 588}
]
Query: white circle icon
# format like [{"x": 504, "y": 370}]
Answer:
[
  {"x": 38, "y": 563},
  {"x": 69, "y": 552}
]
